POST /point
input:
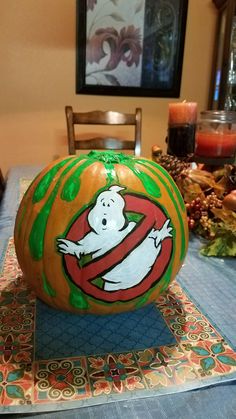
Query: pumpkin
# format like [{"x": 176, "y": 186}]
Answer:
[{"x": 102, "y": 232}]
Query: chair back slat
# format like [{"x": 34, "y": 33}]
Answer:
[{"x": 98, "y": 117}]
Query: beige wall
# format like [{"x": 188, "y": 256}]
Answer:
[{"x": 37, "y": 79}]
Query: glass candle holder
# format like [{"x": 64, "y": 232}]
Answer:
[
  {"x": 181, "y": 128},
  {"x": 216, "y": 134}
]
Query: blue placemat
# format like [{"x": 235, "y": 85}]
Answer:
[{"x": 61, "y": 334}]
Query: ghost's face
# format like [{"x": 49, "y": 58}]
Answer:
[{"x": 107, "y": 214}]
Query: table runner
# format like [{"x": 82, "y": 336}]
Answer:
[{"x": 199, "y": 357}]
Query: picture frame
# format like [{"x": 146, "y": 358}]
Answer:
[{"x": 130, "y": 48}]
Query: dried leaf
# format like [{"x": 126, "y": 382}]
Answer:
[
  {"x": 203, "y": 178},
  {"x": 228, "y": 218},
  {"x": 219, "y": 173},
  {"x": 221, "y": 187},
  {"x": 189, "y": 192}
]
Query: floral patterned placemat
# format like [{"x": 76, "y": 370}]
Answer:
[{"x": 200, "y": 356}]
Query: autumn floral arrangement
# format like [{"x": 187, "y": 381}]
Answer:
[{"x": 210, "y": 198}]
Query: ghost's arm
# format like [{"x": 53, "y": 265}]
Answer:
[
  {"x": 130, "y": 227},
  {"x": 69, "y": 247},
  {"x": 163, "y": 233},
  {"x": 92, "y": 242}
]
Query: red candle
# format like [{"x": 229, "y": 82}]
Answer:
[
  {"x": 215, "y": 144},
  {"x": 182, "y": 113},
  {"x": 181, "y": 128}
]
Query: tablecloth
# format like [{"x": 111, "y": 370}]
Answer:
[{"x": 211, "y": 283}]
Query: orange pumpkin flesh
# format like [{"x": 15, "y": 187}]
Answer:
[{"x": 57, "y": 207}]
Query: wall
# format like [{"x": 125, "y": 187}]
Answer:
[{"x": 37, "y": 50}]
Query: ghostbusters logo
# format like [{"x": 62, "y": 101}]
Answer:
[{"x": 130, "y": 256}]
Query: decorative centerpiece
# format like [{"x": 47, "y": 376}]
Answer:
[
  {"x": 209, "y": 194},
  {"x": 101, "y": 233}
]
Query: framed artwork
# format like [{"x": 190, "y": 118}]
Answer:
[{"x": 130, "y": 47}]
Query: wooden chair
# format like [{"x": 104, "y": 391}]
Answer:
[{"x": 103, "y": 118}]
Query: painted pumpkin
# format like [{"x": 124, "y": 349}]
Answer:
[{"x": 101, "y": 233}]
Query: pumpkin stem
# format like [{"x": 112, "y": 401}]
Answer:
[{"x": 110, "y": 156}]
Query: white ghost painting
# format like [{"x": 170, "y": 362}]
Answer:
[{"x": 109, "y": 226}]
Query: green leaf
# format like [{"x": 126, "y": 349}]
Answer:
[
  {"x": 155, "y": 365},
  {"x": 15, "y": 375},
  {"x": 14, "y": 392},
  {"x": 169, "y": 371},
  {"x": 220, "y": 246},
  {"x": 217, "y": 348},
  {"x": 160, "y": 356},
  {"x": 207, "y": 363},
  {"x": 200, "y": 351},
  {"x": 225, "y": 359}
]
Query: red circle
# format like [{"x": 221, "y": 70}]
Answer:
[{"x": 154, "y": 217}]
